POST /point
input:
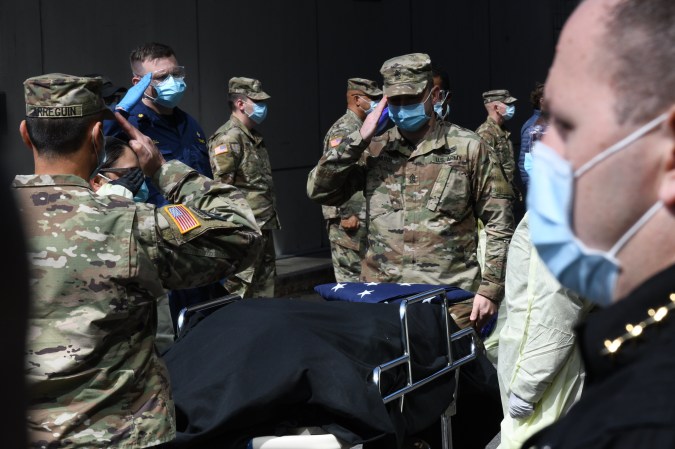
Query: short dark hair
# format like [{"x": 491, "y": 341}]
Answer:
[
  {"x": 57, "y": 137},
  {"x": 443, "y": 75},
  {"x": 114, "y": 149},
  {"x": 232, "y": 98},
  {"x": 150, "y": 51},
  {"x": 639, "y": 36},
  {"x": 536, "y": 95}
]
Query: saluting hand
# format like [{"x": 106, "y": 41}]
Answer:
[
  {"x": 149, "y": 156},
  {"x": 369, "y": 127}
]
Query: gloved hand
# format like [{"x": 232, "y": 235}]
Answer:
[
  {"x": 383, "y": 121},
  {"x": 134, "y": 94},
  {"x": 131, "y": 180},
  {"x": 519, "y": 408}
]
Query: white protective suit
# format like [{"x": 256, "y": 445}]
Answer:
[{"x": 537, "y": 359}]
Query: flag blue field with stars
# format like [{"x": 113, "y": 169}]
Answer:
[{"x": 391, "y": 292}]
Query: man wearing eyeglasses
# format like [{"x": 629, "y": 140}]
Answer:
[{"x": 154, "y": 111}]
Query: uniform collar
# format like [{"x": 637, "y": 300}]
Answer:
[
  {"x": 251, "y": 133},
  {"x": 49, "y": 180},
  {"x": 353, "y": 115},
  {"x": 143, "y": 112},
  {"x": 434, "y": 139},
  {"x": 500, "y": 129},
  {"x": 610, "y": 323}
]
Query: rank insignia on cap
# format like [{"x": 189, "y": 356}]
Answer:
[
  {"x": 183, "y": 218},
  {"x": 335, "y": 142},
  {"x": 221, "y": 149}
]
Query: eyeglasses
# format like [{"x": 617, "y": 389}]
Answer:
[
  {"x": 176, "y": 72},
  {"x": 119, "y": 171},
  {"x": 160, "y": 76}
]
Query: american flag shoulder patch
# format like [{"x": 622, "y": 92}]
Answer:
[
  {"x": 183, "y": 218},
  {"x": 221, "y": 149},
  {"x": 335, "y": 142}
]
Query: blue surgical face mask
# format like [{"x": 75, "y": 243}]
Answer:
[
  {"x": 372, "y": 105},
  {"x": 510, "y": 111},
  {"x": 410, "y": 117},
  {"x": 143, "y": 194},
  {"x": 438, "y": 109},
  {"x": 438, "y": 106},
  {"x": 169, "y": 92},
  {"x": 259, "y": 112},
  {"x": 591, "y": 273},
  {"x": 527, "y": 163}
]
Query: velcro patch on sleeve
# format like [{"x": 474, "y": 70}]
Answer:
[
  {"x": 221, "y": 149},
  {"x": 335, "y": 142},
  {"x": 183, "y": 218}
]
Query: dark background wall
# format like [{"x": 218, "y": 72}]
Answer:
[{"x": 303, "y": 51}]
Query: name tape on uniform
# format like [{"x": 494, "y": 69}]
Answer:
[{"x": 54, "y": 111}]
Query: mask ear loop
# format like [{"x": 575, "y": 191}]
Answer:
[
  {"x": 154, "y": 99},
  {"x": 635, "y": 228},
  {"x": 621, "y": 144}
]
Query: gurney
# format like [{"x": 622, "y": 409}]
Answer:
[{"x": 403, "y": 385}]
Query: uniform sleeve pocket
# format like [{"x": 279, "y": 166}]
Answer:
[{"x": 436, "y": 194}]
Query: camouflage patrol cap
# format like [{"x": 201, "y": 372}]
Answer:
[
  {"x": 368, "y": 87},
  {"x": 250, "y": 87},
  {"x": 56, "y": 95},
  {"x": 502, "y": 95},
  {"x": 407, "y": 74}
]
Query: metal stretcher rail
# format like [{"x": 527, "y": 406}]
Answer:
[{"x": 406, "y": 359}]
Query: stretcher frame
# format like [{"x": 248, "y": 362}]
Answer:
[
  {"x": 406, "y": 359},
  {"x": 309, "y": 437}
]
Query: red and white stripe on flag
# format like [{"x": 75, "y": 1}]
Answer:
[{"x": 183, "y": 218}]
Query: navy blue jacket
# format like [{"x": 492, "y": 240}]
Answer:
[
  {"x": 525, "y": 137},
  {"x": 177, "y": 136}
]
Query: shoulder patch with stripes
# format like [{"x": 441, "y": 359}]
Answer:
[{"x": 183, "y": 218}]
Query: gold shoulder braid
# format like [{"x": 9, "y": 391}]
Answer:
[{"x": 635, "y": 330}]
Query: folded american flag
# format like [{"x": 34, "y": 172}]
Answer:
[{"x": 389, "y": 292}]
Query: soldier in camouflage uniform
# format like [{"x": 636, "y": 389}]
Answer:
[
  {"x": 425, "y": 183},
  {"x": 500, "y": 108},
  {"x": 239, "y": 157},
  {"x": 346, "y": 225},
  {"x": 97, "y": 263}
]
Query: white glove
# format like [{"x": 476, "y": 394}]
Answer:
[{"x": 518, "y": 408}]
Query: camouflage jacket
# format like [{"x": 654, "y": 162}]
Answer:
[
  {"x": 422, "y": 204},
  {"x": 336, "y": 137},
  {"x": 498, "y": 139},
  {"x": 238, "y": 157},
  {"x": 97, "y": 264}
]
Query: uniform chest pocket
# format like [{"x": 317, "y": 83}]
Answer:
[
  {"x": 383, "y": 188},
  {"x": 451, "y": 193}
]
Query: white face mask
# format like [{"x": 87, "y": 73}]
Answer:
[
  {"x": 438, "y": 106},
  {"x": 591, "y": 273},
  {"x": 372, "y": 104}
]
